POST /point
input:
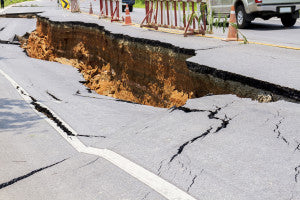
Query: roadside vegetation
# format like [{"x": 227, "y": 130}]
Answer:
[
  {"x": 139, "y": 4},
  {"x": 10, "y": 2}
]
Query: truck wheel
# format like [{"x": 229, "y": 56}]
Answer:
[
  {"x": 241, "y": 16},
  {"x": 130, "y": 8},
  {"x": 288, "y": 20}
]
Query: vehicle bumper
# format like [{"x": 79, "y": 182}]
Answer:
[{"x": 275, "y": 7}]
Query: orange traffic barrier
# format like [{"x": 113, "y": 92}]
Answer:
[
  {"x": 232, "y": 31},
  {"x": 91, "y": 9},
  {"x": 127, "y": 16}
]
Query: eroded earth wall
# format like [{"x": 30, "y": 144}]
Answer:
[
  {"x": 132, "y": 69},
  {"x": 115, "y": 66}
]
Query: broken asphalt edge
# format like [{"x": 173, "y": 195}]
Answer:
[{"x": 286, "y": 92}]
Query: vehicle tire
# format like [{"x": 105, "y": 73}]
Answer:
[
  {"x": 131, "y": 8},
  {"x": 123, "y": 8},
  {"x": 241, "y": 17},
  {"x": 288, "y": 20}
]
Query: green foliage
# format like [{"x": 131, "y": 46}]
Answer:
[
  {"x": 139, "y": 4},
  {"x": 215, "y": 22},
  {"x": 239, "y": 32},
  {"x": 9, "y": 2}
]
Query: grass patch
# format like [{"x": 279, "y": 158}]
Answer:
[
  {"x": 139, "y": 4},
  {"x": 10, "y": 2}
]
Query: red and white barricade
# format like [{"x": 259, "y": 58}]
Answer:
[
  {"x": 187, "y": 15},
  {"x": 111, "y": 9}
]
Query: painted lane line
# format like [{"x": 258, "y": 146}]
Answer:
[
  {"x": 155, "y": 182},
  {"x": 25, "y": 95},
  {"x": 27, "y": 98}
]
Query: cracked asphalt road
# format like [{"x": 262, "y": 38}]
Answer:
[
  {"x": 37, "y": 163},
  {"x": 214, "y": 147},
  {"x": 230, "y": 146}
]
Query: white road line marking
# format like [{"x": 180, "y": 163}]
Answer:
[{"x": 155, "y": 182}]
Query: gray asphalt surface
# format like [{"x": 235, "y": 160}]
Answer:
[
  {"x": 270, "y": 32},
  {"x": 29, "y": 143}
]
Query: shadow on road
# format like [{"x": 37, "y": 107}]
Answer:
[
  {"x": 13, "y": 117},
  {"x": 269, "y": 27}
]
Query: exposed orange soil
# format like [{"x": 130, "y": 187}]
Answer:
[{"x": 128, "y": 70}]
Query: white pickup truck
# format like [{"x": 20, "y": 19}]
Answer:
[{"x": 248, "y": 10}]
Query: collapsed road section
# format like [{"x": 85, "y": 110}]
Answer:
[{"x": 140, "y": 70}]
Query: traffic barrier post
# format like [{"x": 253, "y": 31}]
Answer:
[
  {"x": 187, "y": 15},
  {"x": 110, "y": 9},
  {"x": 74, "y": 6}
]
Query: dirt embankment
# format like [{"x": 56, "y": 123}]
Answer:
[
  {"x": 138, "y": 70},
  {"x": 116, "y": 66}
]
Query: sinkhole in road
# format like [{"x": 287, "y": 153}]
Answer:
[{"x": 132, "y": 69}]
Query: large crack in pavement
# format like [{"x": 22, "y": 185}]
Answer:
[
  {"x": 185, "y": 109},
  {"x": 180, "y": 149},
  {"x": 212, "y": 115},
  {"x": 165, "y": 165},
  {"x": 49, "y": 114},
  {"x": 9, "y": 42},
  {"x": 8, "y": 183}
]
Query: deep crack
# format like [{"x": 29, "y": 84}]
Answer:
[
  {"x": 224, "y": 123},
  {"x": 9, "y": 42},
  {"x": 185, "y": 109},
  {"x": 180, "y": 149},
  {"x": 89, "y": 90},
  {"x": 212, "y": 114},
  {"x": 38, "y": 107},
  {"x": 46, "y": 112},
  {"x": 3, "y": 185},
  {"x": 54, "y": 97}
]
